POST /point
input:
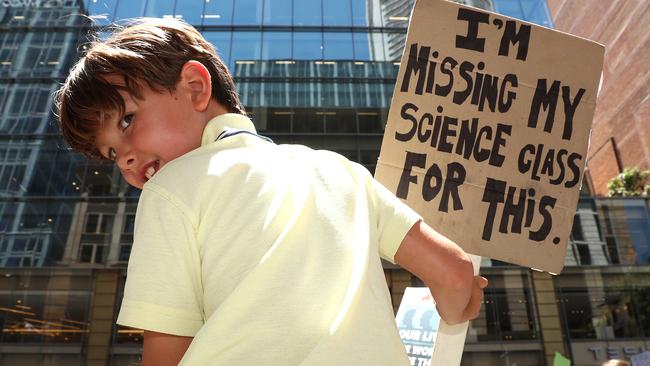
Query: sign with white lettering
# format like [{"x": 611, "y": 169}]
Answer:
[
  {"x": 642, "y": 359},
  {"x": 488, "y": 131}
]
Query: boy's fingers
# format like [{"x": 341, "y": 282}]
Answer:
[
  {"x": 482, "y": 281},
  {"x": 474, "y": 307}
]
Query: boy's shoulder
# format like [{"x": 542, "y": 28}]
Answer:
[{"x": 230, "y": 164}]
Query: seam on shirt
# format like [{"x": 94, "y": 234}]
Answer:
[{"x": 173, "y": 200}]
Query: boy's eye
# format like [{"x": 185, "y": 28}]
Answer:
[
  {"x": 126, "y": 121},
  {"x": 112, "y": 154}
]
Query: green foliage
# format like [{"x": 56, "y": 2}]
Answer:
[{"x": 632, "y": 182}]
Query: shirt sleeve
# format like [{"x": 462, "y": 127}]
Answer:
[
  {"x": 163, "y": 291},
  {"x": 394, "y": 219},
  {"x": 392, "y": 216}
]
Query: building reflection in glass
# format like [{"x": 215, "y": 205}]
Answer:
[
  {"x": 604, "y": 304},
  {"x": 322, "y": 78},
  {"x": 508, "y": 312},
  {"x": 610, "y": 231},
  {"x": 44, "y": 307}
]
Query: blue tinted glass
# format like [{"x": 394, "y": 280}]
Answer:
[
  {"x": 369, "y": 46},
  {"x": 129, "y": 9},
  {"x": 218, "y": 12},
  {"x": 246, "y": 46},
  {"x": 277, "y": 12},
  {"x": 337, "y": 12},
  {"x": 359, "y": 13},
  {"x": 536, "y": 12},
  {"x": 307, "y": 12},
  {"x": 221, "y": 41},
  {"x": 337, "y": 46},
  {"x": 101, "y": 11},
  {"x": 276, "y": 46},
  {"x": 362, "y": 46},
  {"x": 511, "y": 8},
  {"x": 307, "y": 46},
  {"x": 248, "y": 12},
  {"x": 189, "y": 10},
  {"x": 159, "y": 8}
]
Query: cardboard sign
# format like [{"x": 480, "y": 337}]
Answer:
[{"x": 488, "y": 131}]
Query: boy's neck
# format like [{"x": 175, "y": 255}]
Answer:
[{"x": 214, "y": 109}]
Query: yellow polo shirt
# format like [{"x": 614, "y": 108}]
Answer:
[{"x": 266, "y": 254}]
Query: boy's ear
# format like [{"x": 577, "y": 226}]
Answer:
[{"x": 196, "y": 78}]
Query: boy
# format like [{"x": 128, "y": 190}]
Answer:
[{"x": 245, "y": 252}]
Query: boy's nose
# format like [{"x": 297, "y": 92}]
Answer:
[{"x": 126, "y": 161}]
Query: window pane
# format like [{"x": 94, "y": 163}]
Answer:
[
  {"x": 537, "y": 12},
  {"x": 359, "y": 13},
  {"x": 510, "y": 8},
  {"x": 248, "y": 46},
  {"x": 125, "y": 251},
  {"x": 159, "y": 8},
  {"x": 275, "y": 94},
  {"x": 337, "y": 46},
  {"x": 129, "y": 9},
  {"x": 308, "y": 121},
  {"x": 337, "y": 12},
  {"x": 307, "y": 46},
  {"x": 369, "y": 46},
  {"x": 101, "y": 11},
  {"x": 279, "y": 121},
  {"x": 189, "y": 10},
  {"x": 370, "y": 121},
  {"x": 340, "y": 121},
  {"x": 99, "y": 254},
  {"x": 129, "y": 223},
  {"x": 276, "y": 46},
  {"x": 301, "y": 95},
  {"x": 248, "y": 12},
  {"x": 86, "y": 253},
  {"x": 277, "y": 12},
  {"x": 221, "y": 41},
  {"x": 307, "y": 12},
  {"x": 218, "y": 12},
  {"x": 107, "y": 224},
  {"x": 91, "y": 223}
]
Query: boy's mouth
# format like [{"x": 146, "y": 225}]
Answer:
[{"x": 151, "y": 170}]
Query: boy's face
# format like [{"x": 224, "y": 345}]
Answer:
[{"x": 154, "y": 131}]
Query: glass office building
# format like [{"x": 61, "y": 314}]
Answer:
[{"x": 314, "y": 72}]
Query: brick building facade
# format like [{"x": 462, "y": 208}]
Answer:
[{"x": 621, "y": 129}]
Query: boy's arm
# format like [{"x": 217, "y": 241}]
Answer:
[
  {"x": 162, "y": 349},
  {"x": 446, "y": 269}
]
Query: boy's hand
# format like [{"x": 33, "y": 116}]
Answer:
[
  {"x": 445, "y": 269},
  {"x": 474, "y": 306}
]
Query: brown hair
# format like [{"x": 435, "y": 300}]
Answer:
[{"x": 147, "y": 52}]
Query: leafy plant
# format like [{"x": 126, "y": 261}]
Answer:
[{"x": 631, "y": 182}]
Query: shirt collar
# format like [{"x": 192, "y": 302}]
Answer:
[{"x": 225, "y": 122}]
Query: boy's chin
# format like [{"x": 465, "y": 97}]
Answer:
[{"x": 134, "y": 184}]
